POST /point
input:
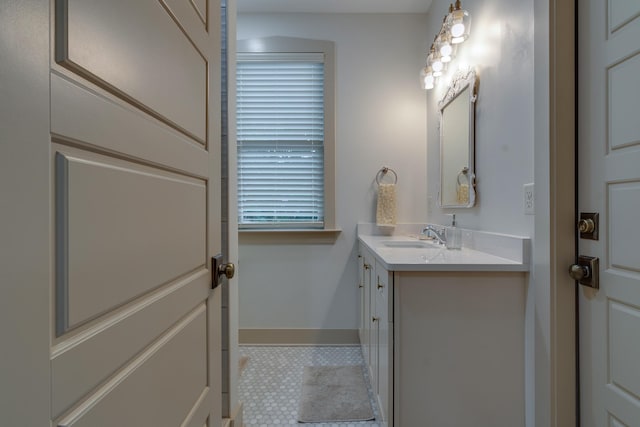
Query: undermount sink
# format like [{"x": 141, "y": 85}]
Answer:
[{"x": 418, "y": 244}]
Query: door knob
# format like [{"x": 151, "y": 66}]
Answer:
[
  {"x": 586, "y": 271},
  {"x": 220, "y": 268},
  {"x": 579, "y": 272},
  {"x": 586, "y": 225},
  {"x": 228, "y": 269}
]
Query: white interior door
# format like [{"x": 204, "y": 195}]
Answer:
[
  {"x": 131, "y": 192},
  {"x": 609, "y": 183}
]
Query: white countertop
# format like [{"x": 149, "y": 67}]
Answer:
[{"x": 434, "y": 257}]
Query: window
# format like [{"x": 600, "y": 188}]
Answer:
[{"x": 285, "y": 139}]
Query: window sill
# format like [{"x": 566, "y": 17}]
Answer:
[{"x": 289, "y": 236}]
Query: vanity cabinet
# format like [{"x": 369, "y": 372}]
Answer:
[{"x": 444, "y": 348}]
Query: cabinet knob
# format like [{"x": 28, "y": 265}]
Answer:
[
  {"x": 380, "y": 286},
  {"x": 375, "y": 319},
  {"x": 366, "y": 266}
]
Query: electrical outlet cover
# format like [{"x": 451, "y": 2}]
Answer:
[{"x": 529, "y": 199}]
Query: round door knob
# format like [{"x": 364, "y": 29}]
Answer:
[
  {"x": 228, "y": 270},
  {"x": 586, "y": 225},
  {"x": 578, "y": 272}
]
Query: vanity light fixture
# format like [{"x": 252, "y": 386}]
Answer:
[{"x": 454, "y": 30}]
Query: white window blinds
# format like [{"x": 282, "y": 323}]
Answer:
[{"x": 280, "y": 133}]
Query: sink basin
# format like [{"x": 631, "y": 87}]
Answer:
[{"x": 409, "y": 244}]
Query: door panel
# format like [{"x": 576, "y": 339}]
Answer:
[
  {"x": 121, "y": 128},
  {"x": 609, "y": 183},
  {"x": 122, "y": 230},
  {"x": 621, "y": 12},
  {"x": 189, "y": 18},
  {"x": 201, "y": 7},
  {"x": 118, "y": 237},
  {"x": 624, "y": 96},
  {"x": 185, "y": 346},
  {"x": 124, "y": 334},
  {"x": 136, "y": 51},
  {"x": 624, "y": 354},
  {"x": 623, "y": 226}
]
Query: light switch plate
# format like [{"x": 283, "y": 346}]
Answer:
[{"x": 529, "y": 199}]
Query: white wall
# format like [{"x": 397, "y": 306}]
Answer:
[
  {"x": 501, "y": 49},
  {"x": 380, "y": 120}
]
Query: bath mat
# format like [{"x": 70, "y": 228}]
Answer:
[{"x": 334, "y": 394}]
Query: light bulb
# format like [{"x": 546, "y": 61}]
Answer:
[
  {"x": 445, "y": 59},
  {"x": 457, "y": 30},
  {"x": 437, "y": 66},
  {"x": 437, "y": 73},
  {"x": 428, "y": 81},
  {"x": 446, "y": 50},
  {"x": 426, "y": 78}
]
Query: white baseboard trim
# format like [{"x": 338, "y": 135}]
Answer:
[{"x": 298, "y": 337}]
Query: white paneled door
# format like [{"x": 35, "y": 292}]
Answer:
[
  {"x": 609, "y": 183},
  {"x": 125, "y": 182}
]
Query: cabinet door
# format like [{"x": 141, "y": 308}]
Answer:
[
  {"x": 365, "y": 334},
  {"x": 361, "y": 300},
  {"x": 363, "y": 275},
  {"x": 384, "y": 340},
  {"x": 374, "y": 344}
]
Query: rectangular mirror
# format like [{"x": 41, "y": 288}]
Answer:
[{"x": 457, "y": 142}]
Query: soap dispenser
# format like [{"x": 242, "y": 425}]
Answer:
[{"x": 453, "y": 235}]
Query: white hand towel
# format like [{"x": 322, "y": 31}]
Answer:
[{"x": 386, "y": 209}]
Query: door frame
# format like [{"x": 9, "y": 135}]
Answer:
[
  {"x": 555, "y": 326},
  {"x": 25, "y": 251}
]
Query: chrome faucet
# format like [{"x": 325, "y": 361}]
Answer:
[{"x": 439, "y": 235}]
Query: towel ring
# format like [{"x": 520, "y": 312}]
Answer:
[{"x": 385, "y": 170}]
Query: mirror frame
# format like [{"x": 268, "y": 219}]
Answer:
[{"x": 460, "y": 81}]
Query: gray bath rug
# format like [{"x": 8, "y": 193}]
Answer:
[{"x": 334, "y": 394}]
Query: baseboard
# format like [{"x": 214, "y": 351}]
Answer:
[{"x": 298, "y": 337}]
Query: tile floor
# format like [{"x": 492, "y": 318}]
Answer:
[{"x": 271, "y": 382}]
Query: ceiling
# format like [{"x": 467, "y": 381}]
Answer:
[{"x": 334, "y": 6}]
